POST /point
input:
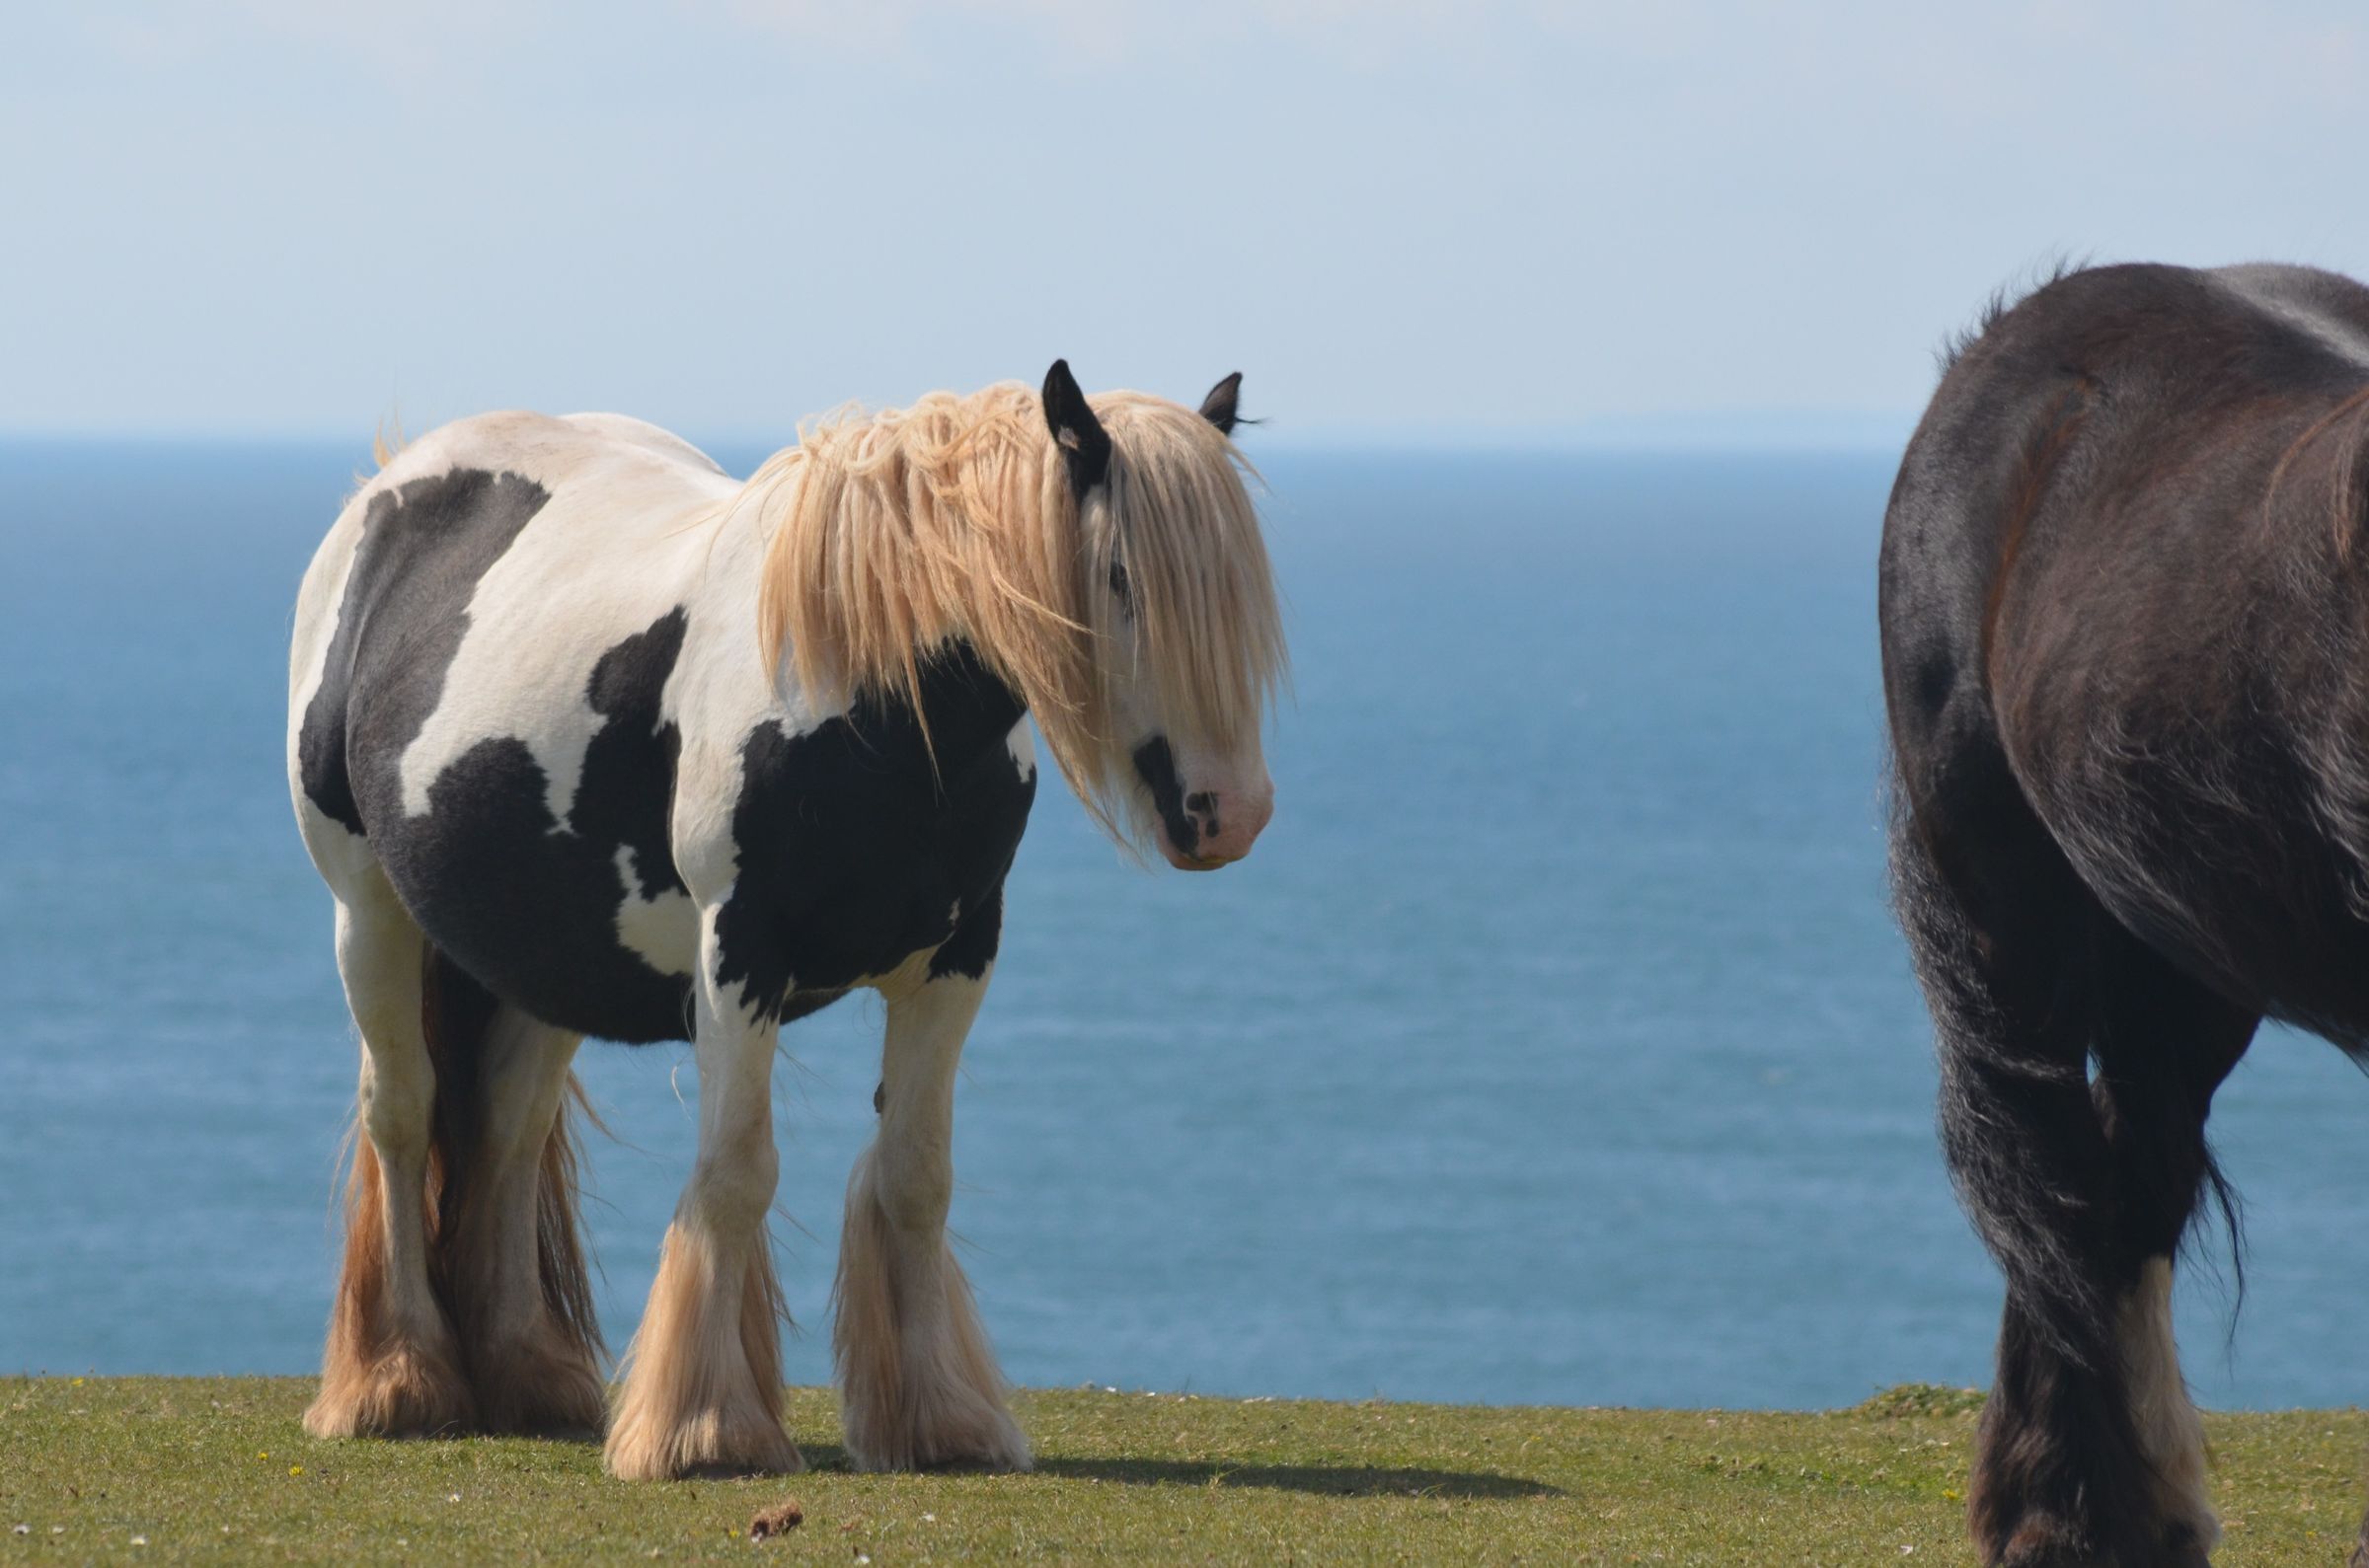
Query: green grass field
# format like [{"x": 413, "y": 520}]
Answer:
[{"x": 152, "y": 1468}]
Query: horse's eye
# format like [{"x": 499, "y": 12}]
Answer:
[{"x": 1120, "y": 589}]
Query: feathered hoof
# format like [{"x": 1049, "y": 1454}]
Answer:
[
  {"x": 706, "y": 1445},
  {"x": 2185, "y": 1548},
  {"x": 542, "y": 1388},
  {"x": 964, "y": 1431},
  {"x": 2051, "y": 1543},
  {"x": 405, "y": 1392}
]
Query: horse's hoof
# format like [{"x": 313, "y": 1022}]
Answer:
[
  {"x": 407, "y": 1393},
  {"x": 542, "y": 1390},
  {"x": 697, "y": 1449}
]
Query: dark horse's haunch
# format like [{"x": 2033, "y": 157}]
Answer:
[{"x": 2125, "y": 615}]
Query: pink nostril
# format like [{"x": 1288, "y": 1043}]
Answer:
[
  {"x": 1235, "y": 823},
  {"x": 1225, "y": 823}
]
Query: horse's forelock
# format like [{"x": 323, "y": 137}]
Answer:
[{"x": 1185, "y": 533}]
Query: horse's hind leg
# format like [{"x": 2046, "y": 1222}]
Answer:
[
  {"x": 918, "y": 1385},
  {"x": 529, "y": 1335},
  {"x": 2083, "y": 1457},
  {"x": 2164, "y": 1044},
  {"x": 391, "y": 1367}
]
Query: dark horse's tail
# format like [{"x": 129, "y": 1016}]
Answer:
[
  {"x": 457, "y": 1017},
  {"x": 2017, "y": 1119}
]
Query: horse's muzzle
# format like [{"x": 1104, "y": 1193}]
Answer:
[{"x": 1226, "y": 825}]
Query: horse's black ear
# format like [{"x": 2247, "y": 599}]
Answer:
[
  {"x": 1085, "y": 445},
  {"x": 1218, "y": 407}
]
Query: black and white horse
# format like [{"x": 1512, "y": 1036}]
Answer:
[
  {"x": 587, "y": 738},
  {"x": 2125, "y": 619}
]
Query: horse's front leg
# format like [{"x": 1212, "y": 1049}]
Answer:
[
  {"x": 918, "y": 1385},
  {"x": 703, "y": 1394}
]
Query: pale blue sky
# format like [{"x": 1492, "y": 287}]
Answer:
[{"x": 1482, "y": 221}]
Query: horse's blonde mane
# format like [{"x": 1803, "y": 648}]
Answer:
[{"x": 895, "y": 535}]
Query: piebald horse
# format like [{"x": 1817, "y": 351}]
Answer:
[
  {"x": 2125, "y": 622},
  {"x": 587, "y": 738}
]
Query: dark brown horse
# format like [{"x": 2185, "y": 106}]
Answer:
[{"x": 2125, "y": 614}]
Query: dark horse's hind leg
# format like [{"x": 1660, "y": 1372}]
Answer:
[
  {"x": 2162, "y": 1046},
  {"x": 2089, "y": 1451}
]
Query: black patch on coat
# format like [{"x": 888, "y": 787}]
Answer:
[
  {"x": 423, "y": 549},
  {"x": 971, "y": 948},
  {"x": 631, "y": 808},
  {"x": 1156, "y": 765},
  {"x": 855, "y": 853},
  {"x": 528, "y": 904}
]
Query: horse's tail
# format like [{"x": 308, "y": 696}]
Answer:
[
  {"x": 388, "y": 438},
  {"x": 2024, "y": 1149},
  {"x": 457, "y": 1018}
]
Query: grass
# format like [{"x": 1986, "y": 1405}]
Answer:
[{"x": 150, "y": 1468}]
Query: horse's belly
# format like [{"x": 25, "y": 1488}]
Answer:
[
  {"x": 526, "y": 825},
  {"x": 583, "y": 923}
]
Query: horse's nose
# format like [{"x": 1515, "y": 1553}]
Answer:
[{"x": 1230, "y": 820}]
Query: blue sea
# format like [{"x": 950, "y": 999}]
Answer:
[{"x": 1556, "y": 1045}]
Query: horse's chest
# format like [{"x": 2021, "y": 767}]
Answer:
[{"x": 852, "y": 855}]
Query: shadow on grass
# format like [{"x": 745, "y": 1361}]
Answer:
[
  {"x": 1353, "y": 1480},
  {"x": 1318, "y": 1480}
]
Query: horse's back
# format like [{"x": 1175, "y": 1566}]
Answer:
[
  {"x": 2091, "y": 474},
  {"x": 2114, "y": 589},
  {"x": 479, "y": 704},
  {"x": 625, "y": 428}
]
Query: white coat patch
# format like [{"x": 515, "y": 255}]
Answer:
[{"x": 663, "y": 931}]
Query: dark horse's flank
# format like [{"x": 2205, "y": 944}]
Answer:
[{"x": 2125, "y": 615}]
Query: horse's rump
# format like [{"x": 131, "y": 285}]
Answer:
[
  {"x": 487, "y": 707},
  {"x": 2124, "y": 670},
  {"x": 2120, "y": 555}
]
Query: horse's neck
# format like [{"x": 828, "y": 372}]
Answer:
[
  {"x": 721, "y": 686},
  {"x": 972, "y": 703},
  {"x": 969, "y": 711}
]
